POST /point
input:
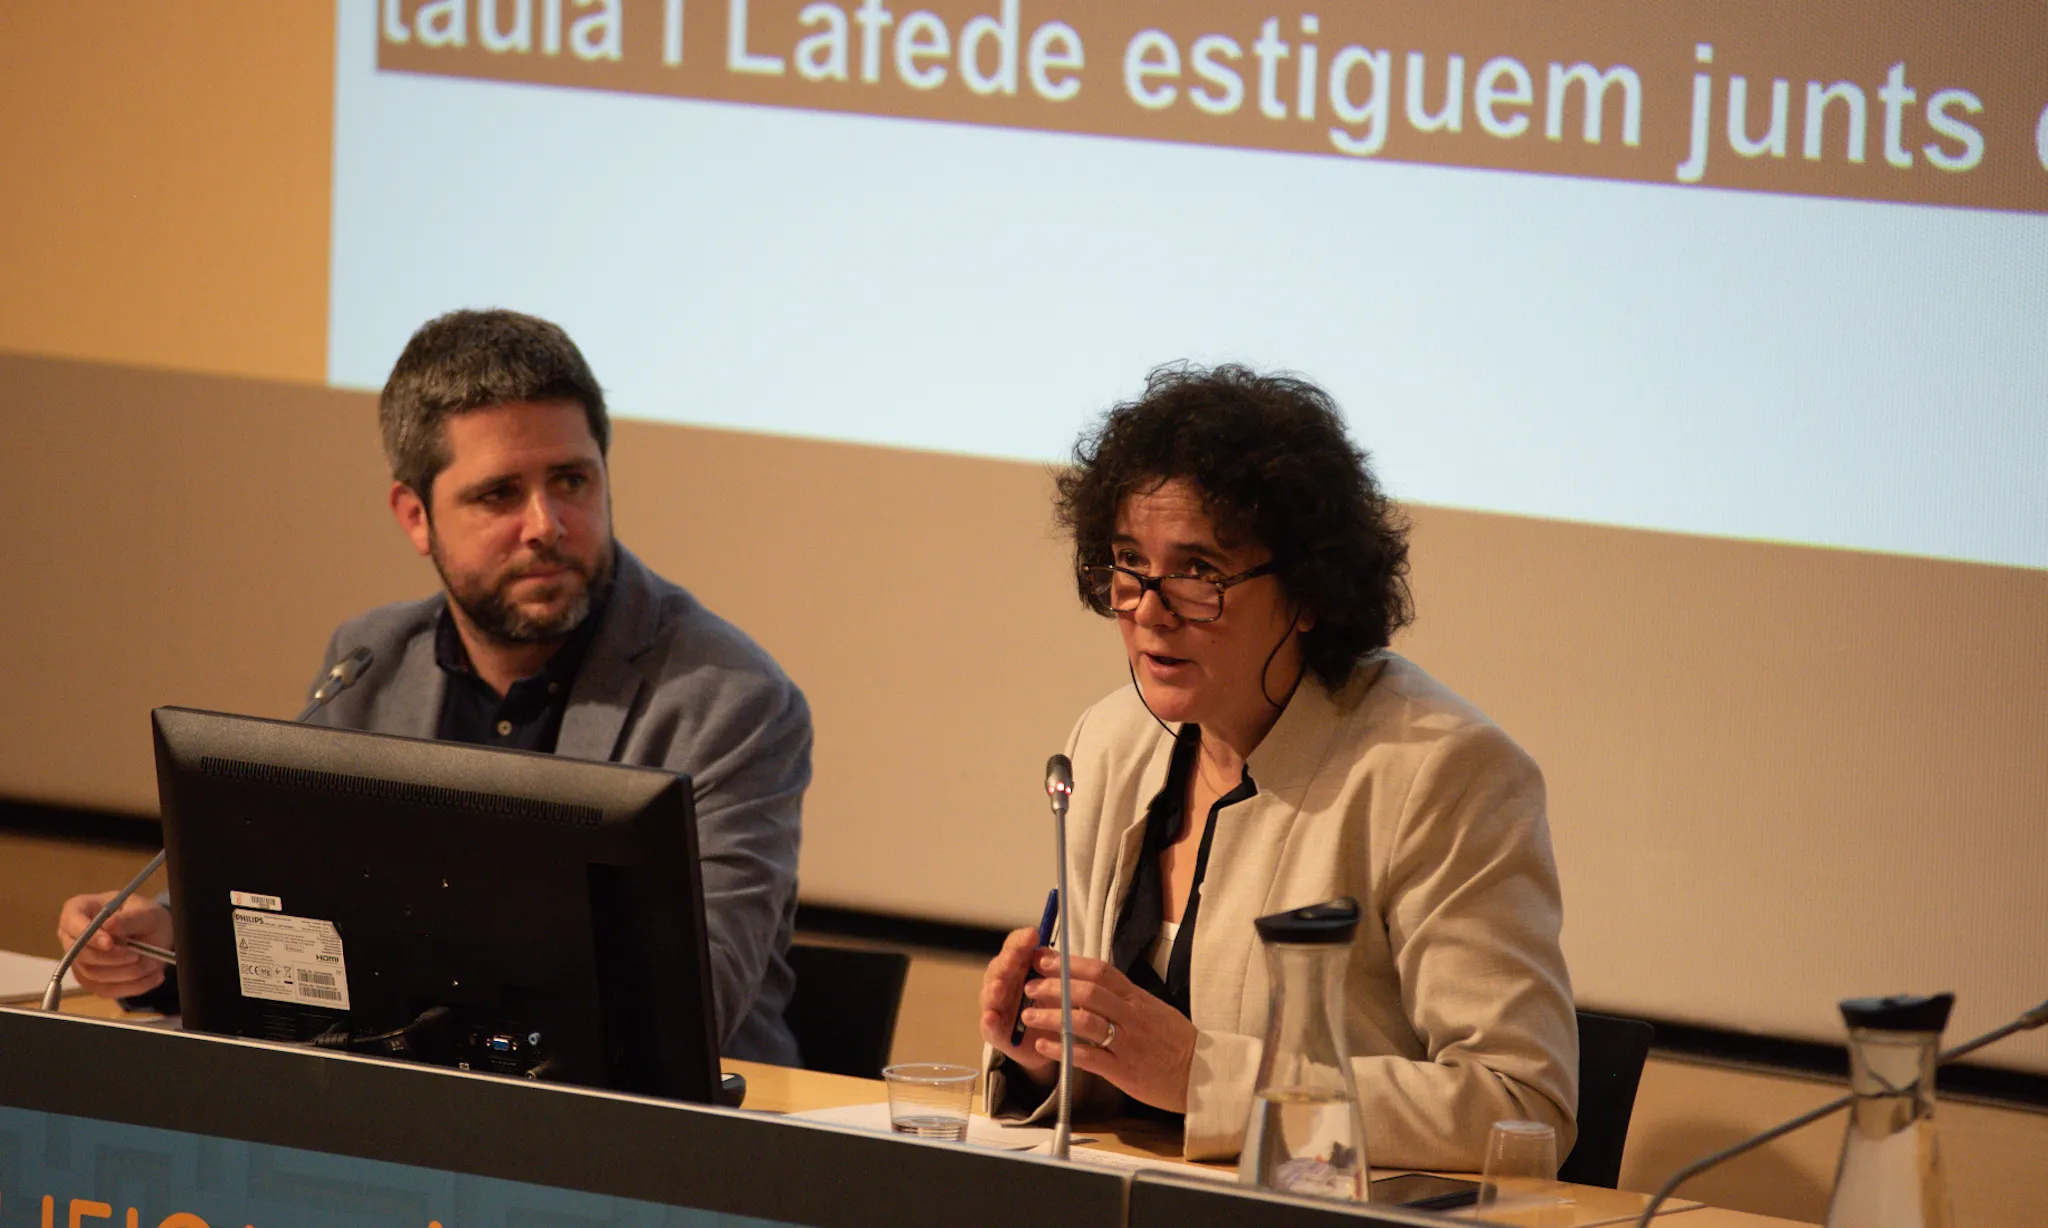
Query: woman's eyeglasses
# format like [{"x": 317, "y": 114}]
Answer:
[{"x": 1197, "y": 599}]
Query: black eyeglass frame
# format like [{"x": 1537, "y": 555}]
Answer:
[{"x": 1151, "y": 584}]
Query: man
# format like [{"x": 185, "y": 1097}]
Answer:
[{"x": 551, "y": 637}]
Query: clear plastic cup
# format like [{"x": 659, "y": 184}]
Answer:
[
  {"x": 1519, "y": 1185},
  {"x": 930, "y": 1099}
]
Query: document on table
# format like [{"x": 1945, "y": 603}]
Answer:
[
  {"x": 981, "y": 1131},
  {"x": 985, "y": 1132},
  {"x": 23, "y": 978},
  {"x": 1100, "y": 1158}
]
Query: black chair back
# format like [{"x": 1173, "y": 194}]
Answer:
[
  {"x": 1611, "y": 1055},
  {"x": 844, "y": 1009}
]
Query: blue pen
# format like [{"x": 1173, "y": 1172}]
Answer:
[{"x": 1045, "y": 924}]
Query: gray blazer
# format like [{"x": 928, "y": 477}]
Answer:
[{"x": 666, "y": 684}]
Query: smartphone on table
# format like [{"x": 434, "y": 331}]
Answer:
[{"x": 1425, "y": 1191}]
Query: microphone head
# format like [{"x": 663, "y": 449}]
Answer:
[
  {"x": 340, "y": 678},
  {"x": 351, "y": 667},
  {"x": 1059, "y": 780}
]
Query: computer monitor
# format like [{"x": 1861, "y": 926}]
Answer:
[{"x": 488, "y": 909}]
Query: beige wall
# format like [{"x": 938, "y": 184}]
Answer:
[
  {"x": 1779, "y": 776},
  {"x": 39, "y": 872},
  {"x": 166, "y": 196}
]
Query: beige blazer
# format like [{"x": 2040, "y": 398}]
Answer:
[{"x": 1396, "y": 792}]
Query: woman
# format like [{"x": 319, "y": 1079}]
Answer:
[{"x": 1272, "y": 753}]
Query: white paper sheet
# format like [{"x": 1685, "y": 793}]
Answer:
[
  {"x": 24, "y": 977},
  {"x": 981, "y": 1131}
]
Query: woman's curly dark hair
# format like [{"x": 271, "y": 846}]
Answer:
[{"x": 1271, "y": 459}]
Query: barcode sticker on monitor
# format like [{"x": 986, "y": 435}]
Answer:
[
  {"x": 249, "y": 899},
  {"x": 290, "y": 959}
]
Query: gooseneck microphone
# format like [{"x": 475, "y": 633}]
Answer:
[
  {"x": 2030, "y": 1019},
  {"x": 1059, "y": 787},
  {"x": 339, "y": 679},
  {"x": 345, "y": 674}
]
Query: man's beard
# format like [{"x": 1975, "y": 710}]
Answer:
[{"x": 494, "y": 614}]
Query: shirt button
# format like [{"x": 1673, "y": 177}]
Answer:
[
  {"x": 554, "y": 688},
  {"x": 504, "y": 728}
]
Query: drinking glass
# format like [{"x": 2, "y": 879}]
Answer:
[
  {"x": 930, "y": 1099},
  {"x": 1520, "y": 1185}
]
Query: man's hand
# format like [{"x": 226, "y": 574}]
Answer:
[
  {"x": 1001, "y": 987},
  {"x": 1121, "y": 1033},
  {"x": 105, "y": 966}
]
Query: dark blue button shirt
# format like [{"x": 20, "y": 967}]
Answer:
[{"x": 526, "y": 717}]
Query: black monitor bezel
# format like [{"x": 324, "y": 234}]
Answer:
[{"x": 655, "y": 1024}]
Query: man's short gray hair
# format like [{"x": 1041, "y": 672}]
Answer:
[{"x": 468, "y": 360}]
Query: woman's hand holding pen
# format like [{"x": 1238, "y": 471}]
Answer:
[
  {"x": 1121, "y": 1033},
  {"x": 1002, "y": 985}
]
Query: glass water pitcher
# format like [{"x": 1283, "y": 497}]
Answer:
[
  {"x": 1306, "y": 1134},
  {"x": 1891, "y": 1174}
]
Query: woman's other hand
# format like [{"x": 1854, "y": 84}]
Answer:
[
  {"x": 1001, "y": 987},
  {"x": 1121, "y": 1033}
]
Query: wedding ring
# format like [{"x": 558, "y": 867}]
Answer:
[{"x": 1110, "y": 1038}]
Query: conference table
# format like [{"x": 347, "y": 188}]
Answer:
[
  {"x": 1150, "y": 1147},
  {"x": 780, "y": 1089}
]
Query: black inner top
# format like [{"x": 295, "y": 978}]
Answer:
[
  {"x": 529, "y": 716},
  {"x": 1137, "y": 928}
]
